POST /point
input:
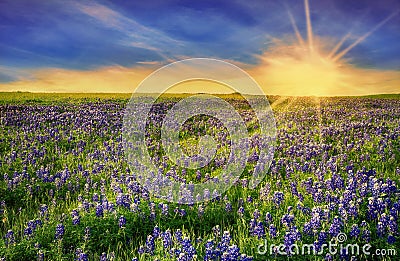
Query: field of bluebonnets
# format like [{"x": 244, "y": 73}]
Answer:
[{"x": 67, "y": 193}]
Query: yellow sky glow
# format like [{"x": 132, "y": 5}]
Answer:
[{"x": 288, "y": 70}]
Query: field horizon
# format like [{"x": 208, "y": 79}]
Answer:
[{"x": 19, "y": 96}]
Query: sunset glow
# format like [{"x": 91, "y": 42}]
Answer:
[{"x": 302, "y": 61}]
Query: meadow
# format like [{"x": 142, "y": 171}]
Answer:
[{"x": 67, "y": 192}]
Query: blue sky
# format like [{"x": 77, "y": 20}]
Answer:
[{"x": 86, "y": 35}]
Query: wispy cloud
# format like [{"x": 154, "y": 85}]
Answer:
[{"x": 137, "y": 35}]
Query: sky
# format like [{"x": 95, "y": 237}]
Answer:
[{"x": 290, "y": 47}]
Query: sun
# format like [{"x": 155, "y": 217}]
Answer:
[
  {"x": 302, "y": 72},
  {"x": 312, "y": 66}
]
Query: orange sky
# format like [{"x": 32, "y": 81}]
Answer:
[{"x": 285, "y": 70}]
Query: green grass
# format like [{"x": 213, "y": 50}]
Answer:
[{"x": 107, "y": 237}]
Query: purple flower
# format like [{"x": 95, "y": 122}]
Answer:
[
  {"x": 86, "y": 237},
  {"x": 380, "y": 229},
  {"x": 391, "y": 239},
  {"x": 355, "y": 231},
  {"x": 121, "y": 221},
  {"x": 366, "y": 235},
  {"x": 81, "y": 256},
  {"x": 272, "y": 231},
  {"x": 9, "y": 237},
  {"x": 268, "y": 218},
  {"x": 59, "y": 231},
  {"x": 241, "y": 211},
  {"x": 228, "y": 207},
  {"x": 167, "y": 239},
  {"x": 150, "y": 245},
  {"x": 99, "y": 210},
  {"x": 40, "y": 255},
  {"x": 335, "y": 227},
  {"x": 259, "y": 230},
  {"x": 278, "y": 197},
  {"x": 188, "y": 248}
]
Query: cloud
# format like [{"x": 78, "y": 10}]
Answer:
[
  {"x": 107, "y": 79},
  {"x": 137, "y": 35}
]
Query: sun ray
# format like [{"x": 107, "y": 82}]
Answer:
[
  {"x": 338, "y": 45},
  {"x": 362, "y": 38},
  {"x": 295, "y": 28},
  {"x": 309, "y": 26}
]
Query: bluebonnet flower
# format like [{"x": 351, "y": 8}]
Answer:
[
  {"x": 380, "y": 229},
  {"x": 86, "y": 237},
  {"x": 156, "y": 231},
  {"x": 308, "y": 228},
  {"x": 355, "y": 230},
  {"x": 150, "y": 245},
  {"x": 59, "y": 231},
  {"x": 244, "y": 257},
  {"x": 76, "y": 220},
  {"x": 28, "y": 232},
  {"x": 200, "y": 210},
  {"x": 256, "y": 214},
  {"x": 9, "y": 237},
  {"x": 40, "y": 255},
  {"x": 178, "y": 235},
  {"x": 366, "y": 235},
  {"x": 392, "y": 225},
  {"x": 268, "y": 218},
  {"x": 121, "y": 221},
  {"x": 259, "y": 230},
  {"x": 391, "y": 239},
  {"x": 287, "y": 219},
  {"x": 167, "y": 239},
  {"x": 43, "y": 210},
  {"x": 99, "y": 210},
  {"x": 228, "y": 207},
  {"x": 95, "y": 197},
  {"x": 249, "y": 199},
  {"x": 272, "y": 231},
  {"x": 289, "y": 240},
  {"x": 164, "y": 209},
  {"x": 216, "y": 231},
  {"x": 278, "y": 197},
  {"x": 81, "y": 256},
  {"x": 210, "y": 253},
  {"x": 352, "y": 210},
  {"x": 322, "y": 237},
  {"x": 188, "y": 248},
  {"x": 335, "y": 227},
  {"x": 241, "y": 211}
]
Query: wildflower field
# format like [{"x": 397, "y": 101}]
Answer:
[{"x": 67, "y": 192}]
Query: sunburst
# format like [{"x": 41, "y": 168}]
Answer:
[{"x": 308, "y": 68}]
